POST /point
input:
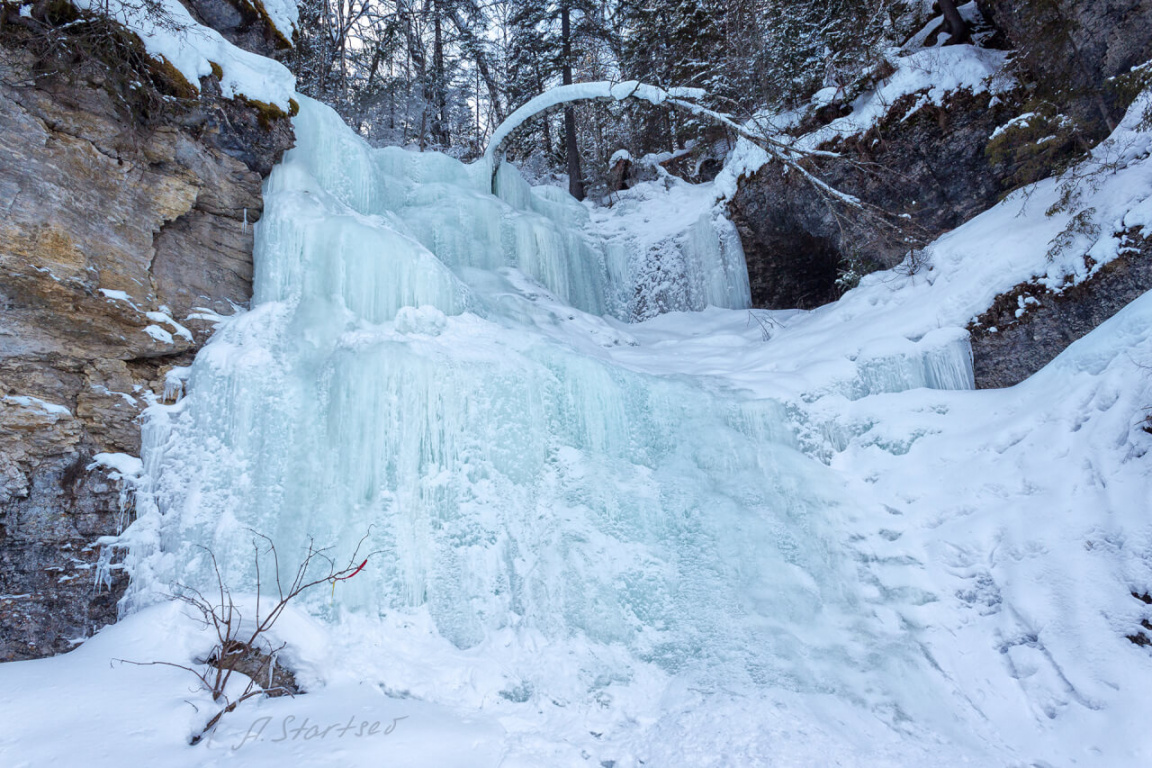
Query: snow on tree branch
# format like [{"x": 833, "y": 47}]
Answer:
[
  {"x": 598, "y": 90},
  {"x": 679, "y": 98}
]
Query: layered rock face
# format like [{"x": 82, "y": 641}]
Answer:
[
  {"x": 114, "y": 239},
  {"x": 934, "y": 171},
  {"x": 1072, "y": 49},
  {"x": 1028, "y": 327},
  {"x": 939, "y": 170},
  {"x": 244, "y": 23}
]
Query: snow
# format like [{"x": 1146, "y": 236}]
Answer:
[
  {"x": 28, "y": 401},
  {"x": 825, "y": 95},
  {"x": 122, "y": 465},
  {"x": 100, "y": 672},
  {"x": 123, "y": 296},
  {"x": 716, "y": 537},
  {"x": 1020, "y": 121},
  {"x": 617, "y": 156},
  {"x": 655, "y": 159},
  {"x": 934, "y": 72},
  {"x": 1036, "y": 545},
  {"x": 174, "y": 36},
  {"x": 159, "y": 334},
  {"x": 163, "y": 317},
  {"x": 116, "y": 295},
  {"x": 127, "y": 398},
  {"x": 426, "y": 320},
  {"x": 604, "y": 89},
  {"x": 283, "y": 14}
]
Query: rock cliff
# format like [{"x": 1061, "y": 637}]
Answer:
[
  {"x": 119, "y": 237},
  {"x": 1027, "y": 327},
  {"x": 1071, "y": 51},
  {"x": 938, "y": 165},
  {"x": 926, "y": 163}
]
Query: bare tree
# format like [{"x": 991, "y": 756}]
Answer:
[{"x": 571, "y": 148}]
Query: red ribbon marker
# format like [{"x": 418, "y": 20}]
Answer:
[
  {"x": 342, "y": 578},
  {"x": 358, "y": 569}
]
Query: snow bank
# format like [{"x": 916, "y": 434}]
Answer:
[
  {"x": 933, "y": 73},
  {"x": 284, "y": 15},
  {"x": 617, "y": 156},
  {"x": 121, "y": 465},
  {"x": 1006, "y": 530},
  {"x": 192, "y": 48}
]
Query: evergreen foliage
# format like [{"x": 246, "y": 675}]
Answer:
[{"x": 443, "y": 73}]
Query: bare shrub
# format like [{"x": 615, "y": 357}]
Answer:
[{"x": 244, "y": 645}]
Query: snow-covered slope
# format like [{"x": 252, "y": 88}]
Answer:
[{"x": 169, "y": 33}]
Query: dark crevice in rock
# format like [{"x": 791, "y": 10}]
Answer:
[{"x": 924, "y": 165}]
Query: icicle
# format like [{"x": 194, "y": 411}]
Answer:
[{"x": 409, "y": 368}]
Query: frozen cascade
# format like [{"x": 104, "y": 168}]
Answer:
[
  {"x": 411, "y": 367},
  {"x": 942, "y": 359}
]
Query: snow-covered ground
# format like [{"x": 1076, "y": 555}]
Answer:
[{"x": 713, "y": 538}]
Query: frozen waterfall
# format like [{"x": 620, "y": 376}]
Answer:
[{"x": 425, "y": 363}]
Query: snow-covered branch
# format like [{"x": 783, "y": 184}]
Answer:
[
  {"x": 599, "y": 90},
  {"x": 684, "y": 99}
]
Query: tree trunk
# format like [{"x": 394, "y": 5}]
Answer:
[
  {"x": 415, "y": 71},
  {"x": 575, "y": 178},
  {"x": 481, "y": 65},
  {"x": 546, "y": 123},
  {"x": 953, "y": 23},
  {"x": 440, "y": 132}
]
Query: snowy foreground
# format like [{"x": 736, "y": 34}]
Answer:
[{"x": 713, "y": 538}]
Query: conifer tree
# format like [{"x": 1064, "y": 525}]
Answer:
[{"x": 532, "y": 56}]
